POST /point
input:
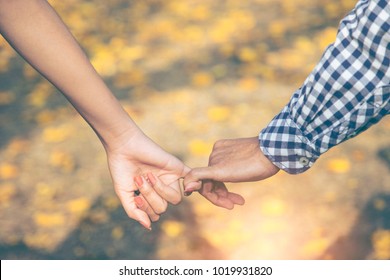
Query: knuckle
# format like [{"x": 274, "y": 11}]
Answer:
[
  {"x": 158, "y": 186},
  {"x": 161, "y": 209},
  {"x": 145, "y": 190},
  {"x": 219, "y": 143},
  {"x": 213, "y": 159},
  {"x": 176, "y": 200},
  {"x": 155, "y": 218}
]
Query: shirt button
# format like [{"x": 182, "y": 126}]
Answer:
[{"x": 304, "y": 161}]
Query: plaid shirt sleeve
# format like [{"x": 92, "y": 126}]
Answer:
[{"x": 347, "y": 92}]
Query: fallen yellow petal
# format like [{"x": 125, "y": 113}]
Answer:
[
  {"x": 78, "y": 205},
  {"x": 218, "y": 113},
  {"x": 172, "y": 228},
  {"x": 202, "y": 79},
  {"x": 56, "y": 134},
  {"x": 8, "y": 171},
  {"x": 199, "y": 147},
  {"x": 339, "y": 165},
  {"x": 381, "y": 244},
  {"x": 49, "y": 220},
  {"x": 117, "y": 233}
]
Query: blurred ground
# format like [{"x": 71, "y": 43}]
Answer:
[{"x": 189, "y": 72}]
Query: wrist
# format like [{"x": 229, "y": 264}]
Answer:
[{"x": 119, "y": 135}]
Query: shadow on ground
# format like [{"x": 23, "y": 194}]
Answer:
[
  {"x": 97, "y": 237},
  {"x": 375, "y": 216},
  {"x": 358, "y": 243}
]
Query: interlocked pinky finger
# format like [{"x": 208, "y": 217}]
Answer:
[{"x": 144, "y": 206}]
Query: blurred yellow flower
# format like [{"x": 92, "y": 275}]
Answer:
[
  {"x": 172, "y": 228},
  {"x": 277, "y": 28},
  {"x": 331, "y": 8},
  {"x": 130, "y": 78},
  {"x": 193, "y": 34},
  {"x": 305, "y": 46},
  {"x": 78, "y": 205},
  {"x": 8, "y": 171},
  {"x": 218, "y": 113},
  {"x": 381, "y": 244},
  {"x": 315, "y": 247},
  {"x": 45, "y": 117},
  {"x": 200, "y": 13},
  {"x": 104, "y": 61},
  {"x": 38, "y": 97},
  {"x": 247, "y": 54},
  {"x": 49, "y": 220},
  {"x": 248, "y": 84},
  {"x": 131, "y": 53},
  {"x": 62, "y": 160},
  {"x": 39, "y": 240},
  {"x": 57, "y": 134},
  {"x": 326, "y": 37},
  {"x": 222, "y": 30},
  {"x": 339, "y": 165},
  {"x": 200, "y": 147},
  {"x": 202, "y": 207},
  {"x": 202, "y": 79},
  {"x": 117, "y": 233}
]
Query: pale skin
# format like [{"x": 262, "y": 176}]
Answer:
[{"x": 38, "y": 34}]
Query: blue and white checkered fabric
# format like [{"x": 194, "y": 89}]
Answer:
[{"x": 347, "y": 92}]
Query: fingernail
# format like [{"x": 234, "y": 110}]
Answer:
[
  {"x": 138, "y": 201},
  {"x": 189, "y": 190},
  {"x": 152, "y": 178},
  {"x": 138, "y": 180},
  {"x": 193, "y": 186},
  {"x": 145, "y": 226},
  {"x": 187, "y": 193}
]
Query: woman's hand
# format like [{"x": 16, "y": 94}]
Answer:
[{"x": 137, "y": 163}]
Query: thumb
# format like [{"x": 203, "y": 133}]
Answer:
[
  {"x": 193, "y": 180},
  {"x": 185, "y": 171}
]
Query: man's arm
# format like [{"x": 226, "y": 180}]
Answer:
[{"x": 347, "y": 92}]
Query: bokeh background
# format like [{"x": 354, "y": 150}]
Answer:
[{"x": 189, "y": 72}]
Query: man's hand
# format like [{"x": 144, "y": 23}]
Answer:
[{"x": 235, "y": 160}]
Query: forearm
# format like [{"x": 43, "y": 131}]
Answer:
[
  {"x": 346, "y": 93},
  {"x": 34, "y": 29}
]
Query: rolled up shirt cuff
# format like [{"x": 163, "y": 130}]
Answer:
[{"x": 286, "y": 146}]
